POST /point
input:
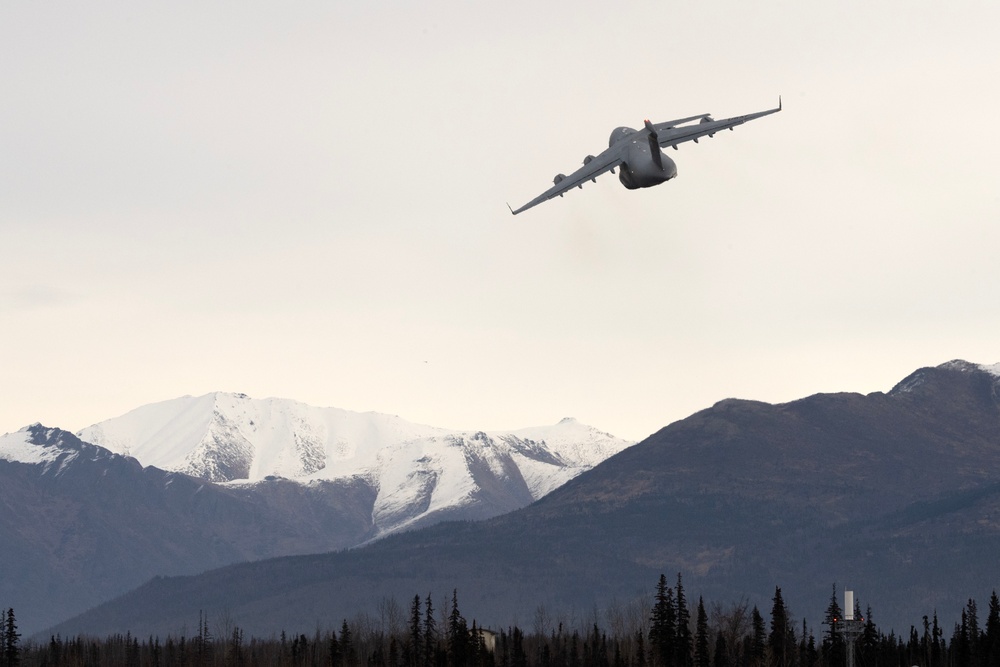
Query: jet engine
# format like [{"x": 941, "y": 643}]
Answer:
[{"x": 707, "y": 119}]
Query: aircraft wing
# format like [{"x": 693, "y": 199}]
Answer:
[
  {"x": 591, "y": 169},
  {"x": 669, "y": 125},
  {"x": 668, "y": 135}
]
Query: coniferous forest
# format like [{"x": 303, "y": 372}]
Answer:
[{"x": 670, "y": 631}]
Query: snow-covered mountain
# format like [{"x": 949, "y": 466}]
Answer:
[
  {"x": 87, "y": 517},
  {"x": 20, "y": 447},
  {"x": 46, "y": 447},
  {"x": 81, "y": 524},
  {"x": 417, "y": 473}
]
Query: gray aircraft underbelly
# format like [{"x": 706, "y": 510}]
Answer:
[{"x": 640, "y": 169}]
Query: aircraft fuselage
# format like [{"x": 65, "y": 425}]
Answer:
[{"x": 640, "y": 168}]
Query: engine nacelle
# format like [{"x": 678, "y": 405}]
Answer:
[
  {"x": 706, "y": 119},
  {"x": 558, "y": 179}
]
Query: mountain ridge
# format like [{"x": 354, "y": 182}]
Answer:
[
  {"x": 83, "y": 524},
  {"x": 416, "y": 471},
  {"x": 894, "y": 495}
]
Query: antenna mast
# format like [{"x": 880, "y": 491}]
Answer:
[{"x": 853, "y": 627}]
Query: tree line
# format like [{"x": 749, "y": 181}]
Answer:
[{"x": 664, "y": 633}]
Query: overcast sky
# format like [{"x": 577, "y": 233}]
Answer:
[{"x": 307, "y": 200}]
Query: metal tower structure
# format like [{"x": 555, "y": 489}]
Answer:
[
  {"x": 850, "y": 627},
  {"x": 853, "y": 627}
]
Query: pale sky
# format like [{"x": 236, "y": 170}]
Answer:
[{"x": 307, "y": 200}]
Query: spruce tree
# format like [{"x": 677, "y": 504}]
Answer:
[
  {"x": 300, "y": 648},
  {"x": 991, "y": 640},
  {"x": 833, "y": 648},
  {"x": 333, "y": 648},
  {"x": 11, "y": 640},
  {"x": 55, "y": 647},
  {"x": 937, "y": 644},
  {"x": 393, "y": 652},
  {"x": 518, "y": 657},
  {"x": 663, "y": 626},
  {"x": 430, "y": 634},
  {"x": 960, "y": 642},
  {"x": 701, "y": 655},
  {"x": 811, "y": 655},
  {"x": 476, "y": 647},
  {"x": 803, "y": 654},
  {"x": 416, "y": 646},
  {"x": 458, "y": 634},
  {"x": 868, "y": 644},
  {"x": 347, "y": 650},
  {"x": 683, "y": 643},
  {"x": 975, "y": 639},
  {"x": 235, "y": 652},
  {"x": 203, "y": 642},
  {"x": 781, "y": 641},
  {"x": 758, "y": 641},
  {"x": 721, "y": 657},
  {"x": 925, "y": 642}
]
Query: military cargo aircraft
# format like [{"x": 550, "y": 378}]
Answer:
[{"x": 638, "y": 156}]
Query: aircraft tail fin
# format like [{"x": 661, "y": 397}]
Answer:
[{"x": 654, "y": 146}]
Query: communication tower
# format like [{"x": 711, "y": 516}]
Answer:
[{"x": 850, "y": 627}]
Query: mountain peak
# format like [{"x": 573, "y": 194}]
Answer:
[
  {"x": 413, "y": 470},
  {"x": 40, "y": 434},
  {"x": 25, "y": 446},
  {"x": 922, "y": 376},
  {"x": 961, "y": 365},
  {"x": 38, "y": 443}
]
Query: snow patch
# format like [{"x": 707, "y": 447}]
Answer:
[
  {"x": 542, "y": 478},
  {"x": 19, "y": 448},
  {"x": 993, "y": 369}
]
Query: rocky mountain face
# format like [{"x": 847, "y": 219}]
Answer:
[
  {"x": 895, "y": 495},
  {"x": 81, "y": 524}
]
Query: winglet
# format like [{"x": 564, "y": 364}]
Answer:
[
  {"x": 511, "y": 210},
  {"x": 779, "y": 102}
]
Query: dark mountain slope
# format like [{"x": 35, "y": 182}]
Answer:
[
  {"x": 894, "y": 495},
  {"x": 89, "y": 524}
]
